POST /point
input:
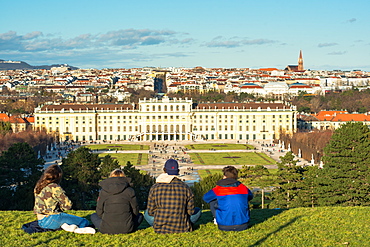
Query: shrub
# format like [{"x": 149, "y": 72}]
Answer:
[{"x": 199, "y": 189}]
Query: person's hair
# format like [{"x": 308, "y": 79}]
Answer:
[
  {"x": 117, "y": 173},
  {"x": 52, "y": 174},
  {"x": 230, "y": 172}
]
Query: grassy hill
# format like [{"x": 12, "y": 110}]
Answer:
[{"x": 323, "y": 226}]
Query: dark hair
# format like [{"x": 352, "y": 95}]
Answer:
[
  {"x": 230, "y": 172},
  {"x": 52, "y": 174}
]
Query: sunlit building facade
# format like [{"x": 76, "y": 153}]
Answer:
[{"x": 167, "y": 120}]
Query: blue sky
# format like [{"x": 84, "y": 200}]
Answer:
[{"x": 229, "y": 34}]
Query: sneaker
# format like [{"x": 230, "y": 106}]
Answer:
[
  {"x": 85, "y": 230},
  {"x": 68, "y": 228},
  {"x": 214, "y": 221}
]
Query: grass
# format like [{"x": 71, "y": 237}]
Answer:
[
  {"x": 205, "y": 173},
  {"x": 219, "y": 146},
  {"x": 114, "y": 147},
  {"x": 230, "y": 158},
  {"x": 134, "y": 158},
  {"x": 323, "y": 226}
]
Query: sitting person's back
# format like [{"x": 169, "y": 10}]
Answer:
[
  {"x": 171, "y": 203},
  {"x": 229, "y": 202},
  {"x": 117, "y": 210}
]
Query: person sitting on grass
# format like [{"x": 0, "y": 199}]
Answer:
[
  {"x": 117, "y": 210},
  {"x": 51, "y": 201},
  {"x": 171, "y": 203},
  {"x": 229, "y": 201}
]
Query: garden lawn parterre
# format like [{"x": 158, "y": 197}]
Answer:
[
  {"x": 205, "y": 173},
  {"x": 230, "y": 158},
  {"x": 134, "y": 158},
  {"x": 219, "y": 146},
  {"x": 113, "y": 147},
  {"x": 320, "y": 226}
]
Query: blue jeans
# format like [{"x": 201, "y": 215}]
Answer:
[
  {"x": 54, "y": 221},
  {"x": 193, "y": 218}
]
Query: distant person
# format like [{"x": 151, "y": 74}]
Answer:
[
  {"x": 229, "y": 201},
  {"x": 117, "y": 210},
  {"x": 171, "y": 203},
  {"x": 51, "y": 201}
]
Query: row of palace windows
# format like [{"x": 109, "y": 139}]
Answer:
[
  {"x": 231, "y": 128},
  {"x": 207, "y": 136},
  {"x": 166, "y": 108}
]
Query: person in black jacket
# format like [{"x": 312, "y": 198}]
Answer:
[{"x": 117, "y": 210}]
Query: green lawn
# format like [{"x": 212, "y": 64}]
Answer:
[
  {"x": 323, "y": 226},
  {"x": 205, "y": 173},
  {"x": 219, "y": 146},
  {"x": 230, "y": 158},
  {"x": 134, "y": 158},
  {"x": 118, "y": 147}
]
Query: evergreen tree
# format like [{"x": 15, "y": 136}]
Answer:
[
  {"x": 202, "y": 187},
  {"x": 257, "y": 176},
  {"x": 107, "y": 165},
  {"x": 289, "y": 177},
  {"x": 345, "y": 178},
  {"x": 142, "y": 183},
  {"x": 308, "y": 186},
  {"x": 20, "y": 169},
  {"x": 80, "y": 177}
]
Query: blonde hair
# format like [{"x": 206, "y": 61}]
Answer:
[{"x": 117, "y": 173}]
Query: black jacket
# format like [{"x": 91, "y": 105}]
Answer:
[{"x": 117, "y": 205}]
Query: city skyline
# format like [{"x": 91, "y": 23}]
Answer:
[{"x": 236, "y": 34}]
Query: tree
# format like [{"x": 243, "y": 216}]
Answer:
[
  {"x": 289, "y": 177},
  {"x": 307, "y": 193},
  {"x": 5, "y": 127},
  {"x": 257, "y": 176},
  {"x": 20, "y": 169},
  {"x": 107, "y": 165},
  {"x": 81, "y": 177},
  {"x": 202, "y": 187},
  {"x": 142, "y": 183},
  {"x": 345, "y": 178}
]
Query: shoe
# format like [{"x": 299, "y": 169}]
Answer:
[
  {"x": 85, "y": 230},
  {"x": 214, "y": 221},
  {"x": 68, "y": 228}
]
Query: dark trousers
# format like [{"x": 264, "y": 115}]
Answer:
[{"x": 213, "y": 206}]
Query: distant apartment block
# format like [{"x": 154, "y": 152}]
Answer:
[{"x": 167, "y": 119}]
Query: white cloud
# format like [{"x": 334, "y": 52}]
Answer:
[
  {"x": 352, "y": 20},
  {"x": 326, "y": 44},
  {"x": 220, "y": 41},
  {"x": 337, "y": 53}
]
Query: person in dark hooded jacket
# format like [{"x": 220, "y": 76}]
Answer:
[{"x": 117, "y": 210}]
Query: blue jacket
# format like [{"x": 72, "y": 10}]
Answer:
[{"x": 232, "y": 211}]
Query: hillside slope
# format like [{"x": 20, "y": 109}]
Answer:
[{"x": 326, "y": 226}]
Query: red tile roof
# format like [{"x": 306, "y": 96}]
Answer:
[{"x": 350, "y": 117}]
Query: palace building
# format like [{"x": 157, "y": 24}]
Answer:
[{"x": 167, "y": 119}]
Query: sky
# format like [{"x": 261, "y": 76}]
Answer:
[{"x": 332, "y": 34}]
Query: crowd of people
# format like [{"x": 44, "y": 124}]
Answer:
[{"x": 170, "y": 206}]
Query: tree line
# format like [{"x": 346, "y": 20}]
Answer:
[
  {"x": 343, "y": 180},
  {"x": 38, "y": 140},
  {"x": 20, "y": 168},
  {"x": 352, "y": 100},
  {"x": 308, "y": 144}
]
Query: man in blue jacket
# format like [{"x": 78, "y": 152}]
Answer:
[{"x": 229, "y": 201}]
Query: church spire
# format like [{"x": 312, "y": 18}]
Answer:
[{"x": 300, "y": 61}]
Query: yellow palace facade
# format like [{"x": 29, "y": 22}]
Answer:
[{"x": 167, "y": 120}]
